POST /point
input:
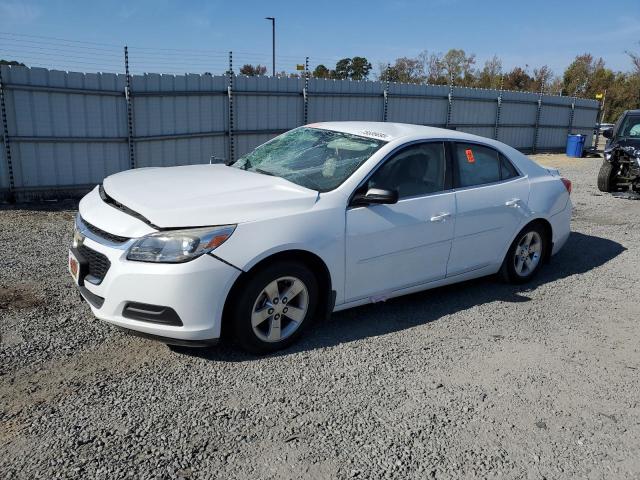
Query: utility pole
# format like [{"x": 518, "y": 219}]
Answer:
[
  {"x": 273, "y": 41},
  {"x": 604, "y": 99}
]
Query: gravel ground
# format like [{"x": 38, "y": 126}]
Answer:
[{"x": 478, "y": 380}]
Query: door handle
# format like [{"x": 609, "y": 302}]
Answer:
[
  {"x": 441, "y": 217},
  {"x": 513, "y": 203}
]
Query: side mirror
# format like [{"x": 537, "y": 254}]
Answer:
[
  {"x": 607, "y": 133},
  {"x": 375, "y": 196}
]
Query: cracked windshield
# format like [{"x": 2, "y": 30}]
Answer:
[{"x": 313, "y": 158}]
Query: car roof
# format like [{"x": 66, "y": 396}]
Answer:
[{"x": 389, "y": 131}]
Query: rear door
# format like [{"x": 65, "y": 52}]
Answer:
[
  {"x": 491, "y": 204},
  {"x": 389, "y": 247}
]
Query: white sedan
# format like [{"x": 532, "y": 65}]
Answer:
[{"x": 322, "y": 218}]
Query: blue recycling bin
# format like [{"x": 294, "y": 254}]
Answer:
[{"x": 575, "y": 145}]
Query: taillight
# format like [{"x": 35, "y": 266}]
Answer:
[{"x": 567, "y": 184}]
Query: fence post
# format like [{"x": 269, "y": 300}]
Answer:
[
  {"x": 232, "y": 152},
  {"x": 596, "y": 130},
  {"x": 127, "y": 94},
  {"x": 305, "y": 92},
  {"x": 538, "y": 113},
  {"x": 599, "y": 120},
  {"x": 571, "y": 114},
  {"x": 450, "y": 102},
  {"x": 498, "y": 108},
  {"x": 5, "y": 140},
  {"x": 385, "y": 96}
]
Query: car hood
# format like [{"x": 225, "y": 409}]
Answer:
[{"x": 202, "y": 195}]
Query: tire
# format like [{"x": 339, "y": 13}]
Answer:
[
  {"x": 263, "y": 321},
  {"x": 606, "y": 177},
  {"x": 520, "y": 266}
]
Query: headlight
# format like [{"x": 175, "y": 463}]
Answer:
[{"x": 177, "y": 246}]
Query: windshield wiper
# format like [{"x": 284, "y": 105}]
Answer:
[{"x": 264, "y": 172}]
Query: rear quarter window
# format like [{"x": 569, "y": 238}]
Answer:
[{"x": 507, "y": 170}]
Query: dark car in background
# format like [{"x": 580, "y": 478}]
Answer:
[{"x": 620, "y": 170}]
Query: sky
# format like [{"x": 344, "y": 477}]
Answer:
[{"x": 199, "y": 33}]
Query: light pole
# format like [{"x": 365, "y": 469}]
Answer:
[{"x": 273, "y": 40}]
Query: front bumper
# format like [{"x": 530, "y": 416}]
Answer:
[
  {"x": 175, "y": 341},
  {"x": 195, "y": 290}
]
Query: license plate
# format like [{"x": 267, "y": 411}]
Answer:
[{"x": 74, "y": 267}]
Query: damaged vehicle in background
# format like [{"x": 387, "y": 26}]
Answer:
[{"x": 620, "y": 170}]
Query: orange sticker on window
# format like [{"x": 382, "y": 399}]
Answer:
[{"x": 469, "y": 154}]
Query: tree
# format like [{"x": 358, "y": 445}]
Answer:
[
  {"x": 252, "y": 71},
  {"x": 404, "y": 70},
  {"x": 635, "y": 60},
  {"x": 360, "y": 68},
  {"x": 623, "y": 94},
  {"x": 542, "y": 78},
  {"x": 489, "y": 76},
  {"x": 518, "y": 79},
  {"x": 587, "y": 76},
  {"x": 356, "y": 68},
  {"x": 13, "y": 63},
  {"x": 321, "y": 72},
  {"x": 458, "y": 66},
  {"x": 600, "y": 81},
  {"x": 554, "y": 87},
  {"x": 579, "y": 76},
  {"x": 433, "y": 68},
  {"x": 343, "y": 69}
]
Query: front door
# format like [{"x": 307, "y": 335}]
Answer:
[{"x": 389, "y": 247}]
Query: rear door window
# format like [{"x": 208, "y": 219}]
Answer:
[
  {"x": 479, "y": 164},
  {"x": 476, "y": 164}
]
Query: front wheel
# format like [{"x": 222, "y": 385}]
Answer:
[
  {"x": 606, "y": 177},
  {"x": 524, "y": 258},
  {"x": 275, "y": 306}
]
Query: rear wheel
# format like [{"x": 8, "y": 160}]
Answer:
[
  {"x": 524, "y": 258},
  {"x": 606, "y": 177},
  {"x": 275, "y": 307}
]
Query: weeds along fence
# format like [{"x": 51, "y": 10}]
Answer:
[{"x": 63, "y": 132}]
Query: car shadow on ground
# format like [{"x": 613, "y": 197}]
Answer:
[{"x": 581, "y": 254}]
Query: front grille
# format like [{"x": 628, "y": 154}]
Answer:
[
  {"x": 102, "y": 234},
  {"x": 98, "y": 264}
]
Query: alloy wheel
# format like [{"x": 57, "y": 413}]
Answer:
[
  {"x": 280, "y": 309},
  {"x": 527, "y": 254}
]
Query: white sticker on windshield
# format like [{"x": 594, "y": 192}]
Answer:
[{"x": 370, "y": 133}]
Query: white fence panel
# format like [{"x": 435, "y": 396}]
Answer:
[
  {"x": 69, "y": 130},
  {"x": 335, "y": 100}
]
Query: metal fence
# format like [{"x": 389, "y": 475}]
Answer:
[{"x": 65, "y": 131}]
